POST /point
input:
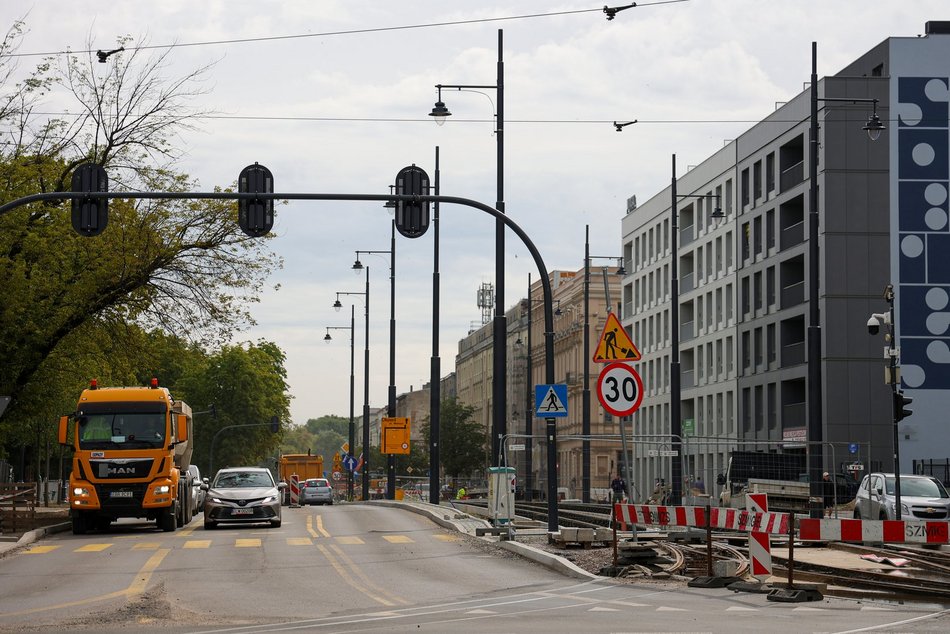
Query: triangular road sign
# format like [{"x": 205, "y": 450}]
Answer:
[{"x": 615, "y": 343}]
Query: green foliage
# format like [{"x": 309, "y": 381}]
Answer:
[
  {"x": 461, "y": 440},
  {"x": 75, "y": 308}
]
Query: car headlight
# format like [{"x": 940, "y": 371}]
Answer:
[
  {"x": 164, "y": 488},
  {"x": 218, "y": 500},
  {"x": 80, "y": 491},
  {"x": 905, "y": 510},
  {"x": 268, "y": 500}
]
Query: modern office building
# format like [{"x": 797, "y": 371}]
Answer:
[{"x": 745, "y": 283}]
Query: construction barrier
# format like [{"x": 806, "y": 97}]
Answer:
[
  {"x": 760, "y": 548},
  {"x": 294, "y": 490},
  {"x": 695, "y": 516},
  {"x": 887, "y": 531}
]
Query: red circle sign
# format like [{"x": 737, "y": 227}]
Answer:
[{"x": 620, "y": 389}]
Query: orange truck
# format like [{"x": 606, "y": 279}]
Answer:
[
  {"x": 132, "y": 449},
  {"x": 303, "y": 464}
]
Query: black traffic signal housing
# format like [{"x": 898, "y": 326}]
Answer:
[
  {"x": 900, "y": 405},
  {"x": 255, "y": 215},
  {"x": 274, "y": 424},
  {"x": 412, "y": 217},
  {"x": 90, "y": 215}
]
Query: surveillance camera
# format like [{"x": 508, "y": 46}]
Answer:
[{"x": 873, "y": 325}]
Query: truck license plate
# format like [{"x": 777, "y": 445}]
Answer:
[
  {"x": 120, "y": 494},
  {"x": 242, "y": 511}
]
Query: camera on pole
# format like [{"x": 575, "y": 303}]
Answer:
[
  {"x": 90, "y": 215},
  {"x": 412, "y": 217},
  {"x": 256, "y": 216}
]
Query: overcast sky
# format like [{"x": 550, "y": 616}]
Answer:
[{"x": 346, "y": 107}]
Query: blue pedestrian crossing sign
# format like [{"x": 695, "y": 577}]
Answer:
[{"x": 550, "y": 401}]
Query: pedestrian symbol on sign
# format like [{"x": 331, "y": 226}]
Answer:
[{"x": 550, "y": 400}]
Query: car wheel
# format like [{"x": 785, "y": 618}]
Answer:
[
  {"x": 857, "y": 514},
  {"x": 330, "y": 502},
  {"x": 209, "y": 525},
  {"x": 275, "y": 523},
  {"x": 883, "y": 515}
]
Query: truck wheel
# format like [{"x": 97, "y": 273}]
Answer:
[
  {"x": 102, "y": 524},
  {"x": 167, "y": 520},
  {"x": 80, "y": 525}
]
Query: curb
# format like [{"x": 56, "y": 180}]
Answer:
[
  {"x": 538, "y": 556},
  {"x": 34, "y": 535}
]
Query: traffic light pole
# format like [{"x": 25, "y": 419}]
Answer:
[{"x": 896, "y": 397}]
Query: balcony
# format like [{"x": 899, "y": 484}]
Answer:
[
  {"x": 688, "y": 331},
  {"x": 686, "y": 283},
  {"x": 793, "y": 354},
  {"x": 792, "y": 235},
  {"x": 793, "y": 415},
  {"x": 687, "y": 235},
  {"x": 792, "y": 176},
  {"x": 793, "y": 294}
]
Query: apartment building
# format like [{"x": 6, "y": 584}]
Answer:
[{"x": 744, "y": 279}]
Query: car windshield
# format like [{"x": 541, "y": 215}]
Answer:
[
  {"x": 123, "y": 430},
  {"x": 243, "y": 480},
  {"x": 918, "y": 487}
]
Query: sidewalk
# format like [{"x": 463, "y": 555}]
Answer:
[{"x": 50, "y": 519}]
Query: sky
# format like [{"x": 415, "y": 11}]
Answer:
[{"x": 333, "y": 96}]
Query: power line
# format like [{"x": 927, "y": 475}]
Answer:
[{"x": 383, "y": 29}]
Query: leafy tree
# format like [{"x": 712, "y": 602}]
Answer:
[
  {"x": 461, "y": 439},
  {"x": 70, "y": 302}
]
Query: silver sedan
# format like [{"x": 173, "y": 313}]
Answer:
[{"x": 243, "y": 495}]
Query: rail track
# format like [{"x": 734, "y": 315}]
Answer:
[{"x": 926, "y": 578}]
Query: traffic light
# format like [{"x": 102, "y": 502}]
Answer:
[
  {"x": 274, "y": 425},
  {"x": 412, "y": 217},
  {"x": 256, "y": 216},
  {"x": 90, "y": 215},
  {"x": 900, "y": 406}
]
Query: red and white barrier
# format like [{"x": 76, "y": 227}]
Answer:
[
  {"x": 294, "y": 490},
  {"x": 893, "y": 531},
  {"x": 760, "y": 548},
  {"x": 721, "y": 518}
]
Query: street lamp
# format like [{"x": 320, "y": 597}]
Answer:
[
  {"x": 391, "y": 407},
  {"x": 500, "y": 328},
  {"x": 337, "y": 306},
  {"x": 874, "y": 127},
  {"x": 585, "y": 394},
  {"x": 351, "y": 447},
  {"x": 676, "y": 423},
  {"x": 435, "y": 363}
]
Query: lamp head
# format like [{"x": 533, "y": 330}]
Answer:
[
  {"x": 357, "y": 266},
  {"x": 440, "y": 112},
  {"x": 328, "y": 338},
  {"x": 337, "y": 305},
  {"x": 621, "y": 271},
  {"x": 874, "y": 126}
]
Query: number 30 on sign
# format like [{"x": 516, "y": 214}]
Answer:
[{"x": 620, "y": 389}]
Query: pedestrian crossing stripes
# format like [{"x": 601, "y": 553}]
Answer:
[{"x": 344, "y": 540}]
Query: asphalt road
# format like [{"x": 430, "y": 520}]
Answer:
[{"x": 365, "y": 567}]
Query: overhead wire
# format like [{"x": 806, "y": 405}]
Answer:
[{"x": 382, "y": 29}]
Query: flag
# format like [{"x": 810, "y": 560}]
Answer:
[{"x": 359, "y": 464}]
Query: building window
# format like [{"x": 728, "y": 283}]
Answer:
[
  {"x": 770, "y": 229},
  {"x": 770, "y": 173},
  {"x": 757, "y": 180},
  {"x": 744, "y": 187}
]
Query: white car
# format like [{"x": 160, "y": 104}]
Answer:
[
  {"x": 922, "y": 498},
  {"x": 197, "y": 493}
]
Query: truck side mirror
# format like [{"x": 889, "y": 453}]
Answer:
[
  {"x": 182, "y": 432},
  {"x": 720, "y": 479},
  {"x": 63, "y": 429}
]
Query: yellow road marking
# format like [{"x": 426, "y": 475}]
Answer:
[
  {"x": 299, "y": 541},
  {"x": 92, "y": 548},
  {"x": 398, "y": 539},
  {"x": 39, "y": 550},
  {"x": 147, "y": 546},
  {"x": 349, "y": 539},
  {"x": 198, "y": 543},
  {"x": 347, "y": 576},
  {"x": 247, "y": 543},
  {"x": 138, "y": 584},
  {"x": 446, "y": 538},
  {"x": 319, "y": 531},
  {"x": 367, "y": 582}
]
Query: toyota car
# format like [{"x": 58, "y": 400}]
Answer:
[{"x": 245, "y": 495}]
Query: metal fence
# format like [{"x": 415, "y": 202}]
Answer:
[{"x": 939, "y": 469}]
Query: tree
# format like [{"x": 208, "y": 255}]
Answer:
[
  {"x": 181, "y": 267},
  {"x": 462, "y": 440}
]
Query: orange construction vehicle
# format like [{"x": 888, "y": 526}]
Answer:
[
  {"x": 132, "y": 448},
  {"x": 304, "y": 465}
]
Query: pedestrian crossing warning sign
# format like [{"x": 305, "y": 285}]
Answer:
[
  {"x": 615, "y": 343},
  {"x": 550, "y": 400}
]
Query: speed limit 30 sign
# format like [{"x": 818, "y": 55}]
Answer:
[{"x": 620, "y": 389}]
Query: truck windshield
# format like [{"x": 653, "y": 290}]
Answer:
[{"x": 122, "y": 430}]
